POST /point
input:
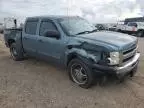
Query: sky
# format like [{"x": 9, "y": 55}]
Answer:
[{"x": 96, "y": 11}]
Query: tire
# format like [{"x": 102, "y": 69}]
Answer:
[
  {"x": 85, "y": 70},
  {"x": 140, "y": 33},
  {"x": 15, "y": 54},
  {"x": 119, "y": 30}
]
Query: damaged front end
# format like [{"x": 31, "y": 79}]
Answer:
[
  {"x": 102, "y": 58},
  {"x": 92, "y": 54}
]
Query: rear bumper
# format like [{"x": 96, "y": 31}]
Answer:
[{"x": 118, "y": 71}]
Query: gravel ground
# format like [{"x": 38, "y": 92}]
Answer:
[{"x": 37, "y": 84}]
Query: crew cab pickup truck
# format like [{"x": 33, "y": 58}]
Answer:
[
  {"x": 74, "y": 43},
  {"x": 132, "y": 28}
]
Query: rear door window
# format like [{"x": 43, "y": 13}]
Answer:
[{"x": 31, "y": 26}]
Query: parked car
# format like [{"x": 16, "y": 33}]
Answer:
[
  {"x": 112, "y": 28},
  {"x": 101, "y": 27},
  {"x": 74, "y": 43},
  {"x": 132, "y": 28}
]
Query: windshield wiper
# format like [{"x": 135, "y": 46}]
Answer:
[
  {"x": 84, "y": 32},
  {"x": 95, "y": 30}
]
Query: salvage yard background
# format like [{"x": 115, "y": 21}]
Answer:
[{"x": 37, "y": 84}]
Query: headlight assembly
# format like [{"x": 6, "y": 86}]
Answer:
[
  {"x": 110, "y": 58},
  {"x": 114, "y": 58}
]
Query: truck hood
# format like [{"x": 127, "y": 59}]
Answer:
[{"x": 114, "y": 40}]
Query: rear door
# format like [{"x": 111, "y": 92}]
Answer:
[{"x": 30, "y": 37}]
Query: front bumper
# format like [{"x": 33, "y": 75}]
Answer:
[{"x": 119, "y": 71}]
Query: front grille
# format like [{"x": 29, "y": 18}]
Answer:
[
  {"x": 127, "y": 59},
  {"x": 129, "y": 50},
  {"x": 129, "y": 54}
]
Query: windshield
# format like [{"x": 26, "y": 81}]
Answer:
[{"x": 75, "y": 26}]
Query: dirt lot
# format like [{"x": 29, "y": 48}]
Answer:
[{"x": 37, "y": 84}]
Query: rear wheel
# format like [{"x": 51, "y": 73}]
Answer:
[
  {"x": 80, "y": 73},
  {"x": 140, "y": 33},
  {"x": 15, "y": 54}
]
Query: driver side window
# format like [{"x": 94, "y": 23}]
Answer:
[{"x": 46, "y": 25}]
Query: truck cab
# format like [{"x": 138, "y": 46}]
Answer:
[{"x": 76, "y": 44}]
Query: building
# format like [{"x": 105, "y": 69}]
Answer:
[{"x": 137, "y": 19}]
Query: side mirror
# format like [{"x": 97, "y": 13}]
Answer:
[{"x": 52, "y": 34}]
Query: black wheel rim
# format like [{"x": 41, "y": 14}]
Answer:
[{"x": 79, "y": 74}]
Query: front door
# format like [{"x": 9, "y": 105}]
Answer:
[{"x": 49, "y": 47}]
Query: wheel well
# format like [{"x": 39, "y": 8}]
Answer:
[
  {"x": 70, "y": 57},
  {"x": 10, "y": 41}
]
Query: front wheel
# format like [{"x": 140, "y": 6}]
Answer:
[
  {"x": 80, "y": 73},
  {"x": 15, "y": 54}
]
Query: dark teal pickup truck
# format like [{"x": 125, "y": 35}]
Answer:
[{"x": 76, "y": 44}]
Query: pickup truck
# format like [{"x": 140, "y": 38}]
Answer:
[
  {"x": 136, "y": 28},
  {"x": 75, "y": 43}
]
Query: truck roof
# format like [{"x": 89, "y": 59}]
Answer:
[{"x": 53, "y": 17}]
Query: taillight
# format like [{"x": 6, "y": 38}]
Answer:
[{"x": 133, "y": 28}]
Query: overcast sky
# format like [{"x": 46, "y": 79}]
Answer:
[{"x": 98, "y": 11}]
